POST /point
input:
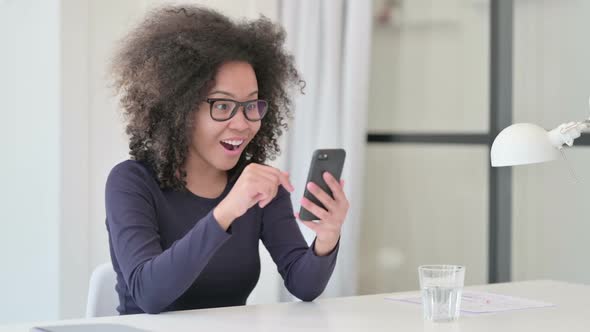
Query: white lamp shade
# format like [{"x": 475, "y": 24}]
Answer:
[{"x": 522, "y": 143}]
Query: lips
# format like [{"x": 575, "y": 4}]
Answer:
[{"x": 232, "y": 144}]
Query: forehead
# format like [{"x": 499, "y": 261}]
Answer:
[{"x": 236, "y": 77}]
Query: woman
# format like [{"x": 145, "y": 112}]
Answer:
[{"x": 206, "y": 100}]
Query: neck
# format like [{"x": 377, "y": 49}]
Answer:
[{"x": 203, "y": 179}]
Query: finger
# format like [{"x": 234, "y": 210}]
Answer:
[
  {"x": 342, "y": 183},
  {"x": 321, "y": 195},
  {"x": 283, "y": 177},
  {"x": 265, "y": 201},
  {"x": 334, "y": 186},
  {"x": 265, "y": 188},
  {"x": 261, "y": 200},
  {"x": 315, "y": 227},
  {"x": 270, "y": 176},
  {"x": 286, "y": 181},
  {"x": 270, "y": 192},
  {"x": 313, "y": 208}
]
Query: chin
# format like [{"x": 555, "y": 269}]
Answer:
[{"x": 226, "y": 166}]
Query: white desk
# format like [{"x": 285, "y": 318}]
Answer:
[{"x": 372, "y": 313}]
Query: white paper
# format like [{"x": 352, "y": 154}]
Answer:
[{"x": 473, "y": 302}]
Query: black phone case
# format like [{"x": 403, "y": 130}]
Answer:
[{"x": 323, "y": 160}]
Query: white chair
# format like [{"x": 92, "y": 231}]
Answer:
[{"x": 102, "y": 296}]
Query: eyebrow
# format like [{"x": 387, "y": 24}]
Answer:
[{"x": 231, "y": 94}]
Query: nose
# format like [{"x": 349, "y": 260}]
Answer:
[{"x": 239, "y": 121}]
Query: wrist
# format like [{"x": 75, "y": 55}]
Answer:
[
  {"x": 323, "y": 247},
  {"x": 223, "y": 216}
]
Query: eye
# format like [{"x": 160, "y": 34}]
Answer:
[
  {"x": 251, "y": 107},
  {"x": 222, "y": 106}
]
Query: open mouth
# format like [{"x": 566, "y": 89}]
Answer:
[{"x": 232, "y": 145}]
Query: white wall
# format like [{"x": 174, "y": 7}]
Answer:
[
  {"x": 426, "y": 203},
  {"x": 430, "y": 67},
  {"x": 30, "y": 167},
  {"x": 551, "y": 86},
  {"x": 73, "y": 227}
]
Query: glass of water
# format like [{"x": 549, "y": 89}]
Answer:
[{"x": 441, "y": 287}]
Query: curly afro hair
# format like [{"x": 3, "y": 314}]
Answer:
[{"x": 166, "y": 66}]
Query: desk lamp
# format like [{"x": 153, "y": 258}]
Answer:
[{"x": 526, "y": 143}]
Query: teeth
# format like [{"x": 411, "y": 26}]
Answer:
[{"x": 234, "y": 143}]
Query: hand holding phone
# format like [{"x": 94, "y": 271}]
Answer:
[{"x": 323, "y": 160}]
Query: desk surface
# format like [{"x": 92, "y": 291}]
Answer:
[{"x": 371, "y": 313}]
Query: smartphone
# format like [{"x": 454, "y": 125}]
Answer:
[{"x": 323, "y": 160}]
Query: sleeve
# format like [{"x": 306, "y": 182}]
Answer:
[
  {"x": 155, "y": 277},
  {"x": 305, "y": 274}
]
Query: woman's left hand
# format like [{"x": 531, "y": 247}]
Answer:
[{"x": 331, "y": 218}]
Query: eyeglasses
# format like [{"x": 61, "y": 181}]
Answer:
[{"x": 225, "y": 109}]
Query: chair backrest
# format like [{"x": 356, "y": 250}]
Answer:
[{"x": 102, "y": 296}]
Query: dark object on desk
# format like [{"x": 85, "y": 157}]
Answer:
[{"x": 87, "y": 328}]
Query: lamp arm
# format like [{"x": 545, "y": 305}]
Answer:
[{"x": 566, "y": 133}]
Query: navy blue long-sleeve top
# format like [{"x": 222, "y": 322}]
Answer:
[{"x": 170, "y": 253}]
